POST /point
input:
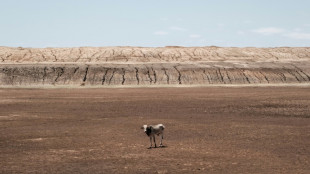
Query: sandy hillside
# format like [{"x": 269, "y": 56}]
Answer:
[{"x": 128, "y": 66}]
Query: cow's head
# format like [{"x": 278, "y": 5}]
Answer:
[{"x": 147, "y": 129}]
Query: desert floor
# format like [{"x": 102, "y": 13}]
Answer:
[{"x": 208, "y": 130}]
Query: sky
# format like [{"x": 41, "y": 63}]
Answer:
[{"x": 156, "y": 23}]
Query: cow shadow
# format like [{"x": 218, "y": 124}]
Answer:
[{"x": 158, "y": 147}]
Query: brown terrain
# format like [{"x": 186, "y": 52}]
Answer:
[
  {"x": 168, "y": 66},
  {"x": 208, "y": 130},
  {"x": 79, "y": 110}
]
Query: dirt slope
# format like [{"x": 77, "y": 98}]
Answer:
[{"x": 153, "y": 66}]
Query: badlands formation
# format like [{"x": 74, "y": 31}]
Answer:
[{"x": 164, "y": 66}]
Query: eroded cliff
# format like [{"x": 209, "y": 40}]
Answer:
[{"x": 129, "y": 66}]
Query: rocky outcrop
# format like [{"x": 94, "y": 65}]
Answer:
[
  {"x": 158, "y": 55},
  {"x": 129, "y": 66},
  {"x": 153, "y": 74}
]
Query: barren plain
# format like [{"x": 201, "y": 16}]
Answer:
[{"x": 208, "y": 130}]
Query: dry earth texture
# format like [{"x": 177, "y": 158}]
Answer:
[
  {"x": 208, "y": 130},
  {"x": 131, "y": 66}
]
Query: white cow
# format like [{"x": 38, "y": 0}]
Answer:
[{"x": 153, "y": 130}]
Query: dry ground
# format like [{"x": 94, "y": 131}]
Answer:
[{"x": 208, "y": 130}]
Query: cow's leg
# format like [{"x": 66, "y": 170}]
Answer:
[
  {"x": 154, "y": 140},
  {"x": 151, "y": 142},
  {"x": 161, "y": 140}
]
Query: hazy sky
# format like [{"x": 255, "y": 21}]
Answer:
[{"x": 73, "y": 23}]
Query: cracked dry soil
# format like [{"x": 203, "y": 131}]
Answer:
[{"x": 208, "y": 130}]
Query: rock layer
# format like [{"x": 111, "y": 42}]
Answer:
[
  {"x": 159, "y": 55},
  {"x": 130, "y": 66},
  {"x": 152, "y": 74}
]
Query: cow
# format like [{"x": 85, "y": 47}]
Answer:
[{"x": 152, "y": 130}]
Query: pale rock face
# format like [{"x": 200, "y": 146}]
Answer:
[
  {"x": 130, "y": 66},
  {"x": 140, "y": 54}
]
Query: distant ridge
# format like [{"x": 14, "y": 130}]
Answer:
[
  {"x": 149, "y": 54},
  {"x": 171, "y": 65}
]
